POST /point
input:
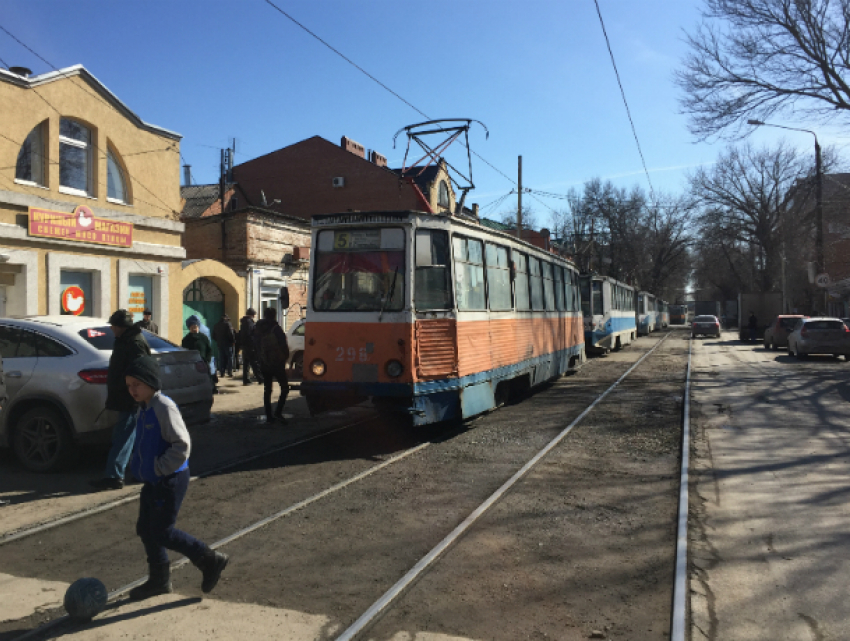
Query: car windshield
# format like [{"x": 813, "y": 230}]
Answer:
[
  {"x": 102, "y": 338},
  {"x": 705, "y": 319},
  {"x": 359, "y": 270}
]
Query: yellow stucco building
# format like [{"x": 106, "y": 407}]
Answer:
[{"x": 89, "y": 207}]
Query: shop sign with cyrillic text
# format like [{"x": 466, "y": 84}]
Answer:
[{"x": 80, "y": 226}]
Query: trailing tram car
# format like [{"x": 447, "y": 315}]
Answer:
[
  {"x": 433, "y": 315},
  {"x": 678, "y": 314},
  {"x": 608, "y": 307},
  {"x": 663, "y": 314},
  {"x": 647, "y": 313}
]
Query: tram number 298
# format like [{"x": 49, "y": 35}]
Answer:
[{"x": 351, "y": 354}]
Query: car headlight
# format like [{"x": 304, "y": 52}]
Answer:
[
  {"x": 394, "y": 369},
  {"x": 318, "y": 367}
]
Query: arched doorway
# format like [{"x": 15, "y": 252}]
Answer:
[{"x": 204, "y": 299}]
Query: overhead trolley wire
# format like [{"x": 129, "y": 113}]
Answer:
[{"x": 625, "y": 102}]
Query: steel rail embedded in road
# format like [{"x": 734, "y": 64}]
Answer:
[
  {"x": 81, "y": 514},
  {"x": 390, "y": 595},
  {"x": 680, "y": 586},
  {"x": 244, "y": 531}
]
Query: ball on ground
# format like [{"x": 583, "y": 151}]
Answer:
[{"x": 85, "y": 598}]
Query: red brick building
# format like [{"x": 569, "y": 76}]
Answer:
[{"x": 261, "y": 227}]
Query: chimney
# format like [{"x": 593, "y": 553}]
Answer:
[
  {"x": 187, "y": 175},
  {"x": 475, "y": 209},
  {"x": 354, "y": 147},
  {"x": 21, "y": 71},
  {"x": 378, "y": 159}
]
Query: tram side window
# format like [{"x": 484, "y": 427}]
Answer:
[
  {"x": 469, "y": 273},
  {"x": 432, "y": 280},
  {"x": 597, "y": 298},
  {"x": 536, "y": 281},
  {"x": 523, "y": 302},
  {"x": 548, "y": 290},
  {"x": 498, "y": 277},
  {"x": 559, "y": 288}
]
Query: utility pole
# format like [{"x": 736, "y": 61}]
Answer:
[
  {"x": 222, "y": 188},
  {"x": 519, "y": 202}
]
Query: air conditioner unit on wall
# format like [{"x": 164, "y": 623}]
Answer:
[{"x": 339, "y": 181}]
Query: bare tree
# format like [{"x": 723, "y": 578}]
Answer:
[
  {"x": 753, "y": 59},
  {"x": 751, "y": 204}
]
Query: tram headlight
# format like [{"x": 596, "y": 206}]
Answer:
[
  {"x": 318, "y": 367},
  {"x": 394, "y": 369}
]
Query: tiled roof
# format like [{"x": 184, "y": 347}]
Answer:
[{"x": 198, "y": 199}]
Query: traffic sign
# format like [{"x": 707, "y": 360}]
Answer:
[{"x": 822, "y": 280}]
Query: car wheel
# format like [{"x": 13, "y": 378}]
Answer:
[{"x": 42, "y": 440}]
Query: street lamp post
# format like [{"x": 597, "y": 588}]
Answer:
[{"x": 819, "y": 257}]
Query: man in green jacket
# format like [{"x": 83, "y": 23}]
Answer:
[
  {"x": 129, "y": 345},
  {"x": 199, "y": 342}
]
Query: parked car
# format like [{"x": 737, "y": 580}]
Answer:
[
  {"x": 705, "y": 326},
  {"x": 56, "y": 369},
  {"x": 295, "y": 340},
  {"x": 776, "y": 334},
  {"x": 819, "y": 336}
]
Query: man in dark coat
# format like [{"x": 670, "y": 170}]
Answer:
[
  {"x": 273, "y": 350},
  {"x": 249, "y": 354},
  {"x": 129, "y": 345},
  {"x": 753, "y": 325},
  {"x": 147, "y": 322},
  {"x": 199, "y": 342},
  {"x": 225, "y": 337}
]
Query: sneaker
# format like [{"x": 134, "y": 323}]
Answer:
[{"x": 107, "y": 483}]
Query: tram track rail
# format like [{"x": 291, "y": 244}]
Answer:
[{"x": 382, "y": 604}]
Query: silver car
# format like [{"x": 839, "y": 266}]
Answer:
[
  {"x": 819, "y": 336},
  {"x": 55, "y": 369}
]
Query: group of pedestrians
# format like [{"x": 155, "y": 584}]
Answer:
[{"x": 265, "y": 351}]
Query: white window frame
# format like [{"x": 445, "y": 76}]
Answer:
[{"x": 89, "y": 160}]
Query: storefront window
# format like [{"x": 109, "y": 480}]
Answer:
[
  {"x": 140, "y": 295},
  {"x": 76, "y": 291}
]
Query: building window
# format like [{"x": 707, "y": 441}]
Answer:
[
  {"x": 75, "y": 158},
  {"x": 116, "y": 184},
  {"x": 443, "y": 197},
  {"x": 30, "y": 165}
]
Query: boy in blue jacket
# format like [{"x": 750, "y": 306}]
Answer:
[{"x": 161, "y": 461}]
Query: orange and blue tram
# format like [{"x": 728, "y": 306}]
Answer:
[{"x": 434, "y": 316}]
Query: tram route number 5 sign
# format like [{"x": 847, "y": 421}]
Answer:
[
  {"x": 358, "y": 239},
  {"x": 822, "y": 280}
]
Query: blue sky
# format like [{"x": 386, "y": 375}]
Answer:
[{"x": 536, "y": 73}]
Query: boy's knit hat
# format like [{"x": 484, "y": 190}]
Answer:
[
  {"x": 145, "y": 369},
  {"x": 121, "y": 318},
  {"x": 193, "y": 320}
]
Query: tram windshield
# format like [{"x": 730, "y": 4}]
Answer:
[{"x": 359, "y": 270}]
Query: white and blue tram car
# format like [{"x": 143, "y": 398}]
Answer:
[
  {"x": 608, "y": 307},
  {"x": 647, "y": 313}
]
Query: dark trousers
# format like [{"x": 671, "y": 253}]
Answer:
[
  {"x": 249, "y": 362},
  {"x": 158, "y": 508},
  {"x": 225, "y": 360},
  {"x": 269, "y": 377}
]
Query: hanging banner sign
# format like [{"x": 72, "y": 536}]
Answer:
[
  {"x": 73, "y": 300},
  {"x": 80, "y": 226}
]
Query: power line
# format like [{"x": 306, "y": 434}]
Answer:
[
  {"x": 369, "y": 75},
  {"x": 623, "y": 94}
]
